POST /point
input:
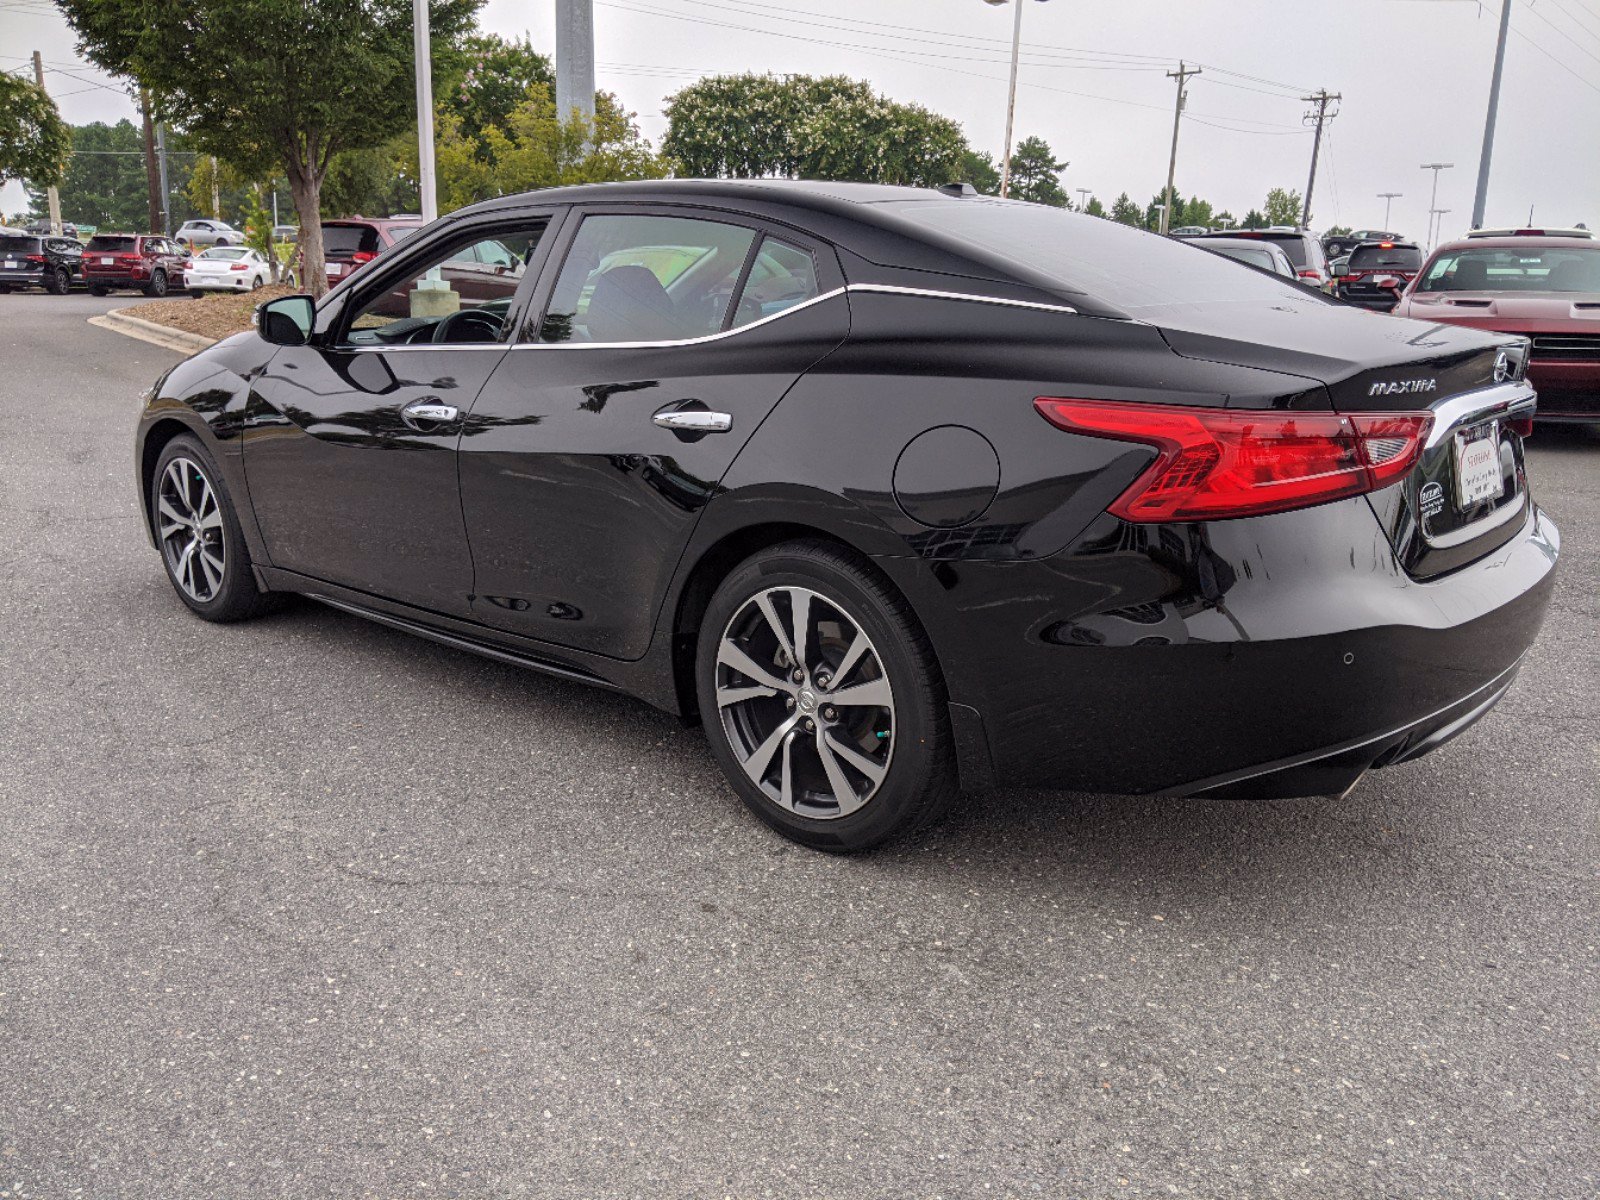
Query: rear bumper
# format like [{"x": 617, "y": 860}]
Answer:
[
  {"x": 1272, "y": 656},
  {"x": 1384, "y": 302},
  {"x": 33, "y": 278},
  {"x": 217, "y": 283}
]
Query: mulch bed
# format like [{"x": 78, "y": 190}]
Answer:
[{"x": 214, "y": 316}]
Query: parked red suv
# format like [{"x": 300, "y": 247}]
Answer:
[
  {"x": 151, "y": 264},
  {"x": 352, "y": 242},
  {"x": 1543, "y": 285}
]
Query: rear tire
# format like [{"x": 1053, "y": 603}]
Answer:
[
  {"x": 838, "y": 764},
  {"x": 157, "y": 285},
  {"x": 98, "y": 289},
  {"x": 59, "y": 283},
  {"x": 197, "y": 529},
  {"x": 196, "y": 293}
]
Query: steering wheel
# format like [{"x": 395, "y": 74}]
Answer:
[{"x": 460, "y": 322}]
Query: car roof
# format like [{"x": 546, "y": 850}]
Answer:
[
  {"x": 1517, "y": 243},
  {"x": 1241, "y": 242}
]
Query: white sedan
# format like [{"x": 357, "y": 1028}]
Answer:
[{"x": 226, "y": 269}]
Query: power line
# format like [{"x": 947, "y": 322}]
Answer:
[
  {"x": 1569, "y": 70},
  {"x": 1562, "y": 32}
]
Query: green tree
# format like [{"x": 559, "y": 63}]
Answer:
[
  {"x": 1283, "y": 207},
  {"x": 34, "y": 140},
  {"x": 1035, "y": 173},
  {"x": 1094, "y": 208},
  {"x": 273, "y": 83},
  {"x": 494, "y": 81},
  {"x": 537, "y": 149},
  {"x": 1254, "y": 219},
  {"x": 1338, "y": 231},
  {"x": 828, "y": 127},
  {"x": 104, "y": 184},
  {"x": 1125, "y": 212},
  {"x": 1225, "y": 220},
  {"x": 1152, "y": 211},
  {"x": 1198, "y": 212},
  {"x": 978, "y": 169},
  {"x": 373, "y": 181}
]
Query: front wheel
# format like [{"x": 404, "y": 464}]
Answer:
[
  {"x": 823, "y": 701},
  {"x": 207, "y": 561}
]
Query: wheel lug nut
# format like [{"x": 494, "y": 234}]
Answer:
[
  {"x": 798, "y": 677},
  {"x": 811, "y": 726},
  {"x": 829, "y": 714},
  {"x": 824, "y": 679},
  {"x": 791, "y": 701}
]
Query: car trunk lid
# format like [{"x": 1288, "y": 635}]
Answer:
[{"x": 1462, "y": 499}]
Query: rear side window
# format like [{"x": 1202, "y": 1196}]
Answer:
[
  {"x": 1397, "y": 258},
  {"x": 1122, "y": 266},
  {"x": 649, "y": 279},
  {"x": 781, "y": 277},
  {"x": 349, "y": 239}
]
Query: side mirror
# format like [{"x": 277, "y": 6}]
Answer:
[
  {"x": 1339, "y": 269},
  {"x": 288, "y": 321}
]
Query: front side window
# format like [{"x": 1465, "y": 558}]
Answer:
[
  {"x": 461, "y": 293},
  {"x": 647, "y": 279}
]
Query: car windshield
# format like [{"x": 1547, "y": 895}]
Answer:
[
  {"x": 1530, "y": 269},
  {"x": 1376, "y": 258},
  {"x": 224, "y": 252},
  {"x": 1126, "y": 267},
  {"x": 110, "y": 242}
]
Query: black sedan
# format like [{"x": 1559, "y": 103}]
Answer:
[{"x": 900, "y": 493}]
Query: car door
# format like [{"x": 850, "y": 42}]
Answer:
[
  {"x": 351, "y": 450},
  {"x": 667, "y": 337}
]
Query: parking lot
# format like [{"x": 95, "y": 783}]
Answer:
[{"x": 310, "y": 908}]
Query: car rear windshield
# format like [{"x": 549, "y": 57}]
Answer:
[
  {"x": 1375, "y": 258},
  {"x": 12, "y": 244},
  {"x": 120, "y": 245},
  {"x": 1249, "y": 254},
  {"x": 1531, "y": 269},
  {"x": 1125, "y": 267},
  {"x": 224, "y": 252},
  {"x": 349, "y": 239}
]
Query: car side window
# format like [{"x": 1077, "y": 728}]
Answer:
[
  {"x": 782, "y": 276},
  {"x": 647, "y": 279},
  {"x": 450, "y": 296}
]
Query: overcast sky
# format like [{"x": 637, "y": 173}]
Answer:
[{"x": 1414, "y": 75}]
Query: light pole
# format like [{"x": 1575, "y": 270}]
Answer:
[
  {"x": 1011, "y": 99},
  {"x": 1083, "y": 198},
  {"x": 1388, "y": 198},
  {"x": 1482, "y": 196},
  {"x": 1435, "y": 167},
  {"x": 1436, "y": 226}
]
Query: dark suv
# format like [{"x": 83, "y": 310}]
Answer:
[
  {"x": 51, "y": 263},
  {"x": 1376, "y": 273},
  {"x": 1337, "y": 245},
  {"x": 352, "y": 242},
  {"x": 143, "y": 261}
]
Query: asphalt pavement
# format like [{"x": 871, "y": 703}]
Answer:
[{"x": 308, "y": 908}]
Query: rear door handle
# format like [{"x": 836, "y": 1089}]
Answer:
[
  {"x": 694, "y": 421},
  {"x": 430, "y": 411}
]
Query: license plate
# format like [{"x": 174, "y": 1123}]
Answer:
[
  {"x": 1478, "y": 476},
  {"x": 335, "y": 269},
  {"x": 11, "y": 264},
  {"x": 106, "y": 262}
]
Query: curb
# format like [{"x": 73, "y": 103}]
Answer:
[{"x": 119, "y": 320}]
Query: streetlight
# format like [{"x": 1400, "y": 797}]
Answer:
[
  {"x": 1083, "y": 198},
  {"x": 1011, "y": 101},
  {"x": 1436, "y": 225},
  {"x": 1388, "y": 198},
  {"x": 1433, "y": 203}
]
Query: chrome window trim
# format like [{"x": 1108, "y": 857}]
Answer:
[{"x": 884, "y": 288}]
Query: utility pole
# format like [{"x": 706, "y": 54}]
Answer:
[
  {"x": 421, "y": 42},
  {"x": 1320, "y": 118},
  {"x": 1388, "y": 198},
  {"x": 575, "y": 58},
  {"x": 165, "y": 226},
  {"x": 1482, "y": 197},
  {"x": 52, "y": 196},
  {"x": 1182, "y": 75},
  {"x": 1433, "y": 203},
  {"x": 152, "y": 173}
]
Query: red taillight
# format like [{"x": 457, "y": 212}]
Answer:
[
  {"x": 34, "y": 258},
  {"x": 239, "y": 266},
  {"x": 188, "y": 264},
  {"x": 1213, "y": 463},
  {"x": 362, "y": 257},
  {"x": 1386, "y": 245},
  {"x": 1521, "y": 426},
  {"x": 1313, "y": 275}
]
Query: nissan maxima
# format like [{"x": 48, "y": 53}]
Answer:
[{"x": 899, "y": 493}]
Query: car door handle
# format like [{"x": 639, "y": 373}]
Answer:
[
  {"x": 428, "y": 412},
  {"x": 693, "y": 420}
]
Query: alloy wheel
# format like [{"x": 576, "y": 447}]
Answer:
[
  {"x": 805, "y": 701},
  {"x": 190, "y": 524}
]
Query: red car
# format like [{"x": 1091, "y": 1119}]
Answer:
[
  {"x": 151, "y": 264},
  {"x": 352, "y": 242},
  {"x": 1545, "y": 286}
]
